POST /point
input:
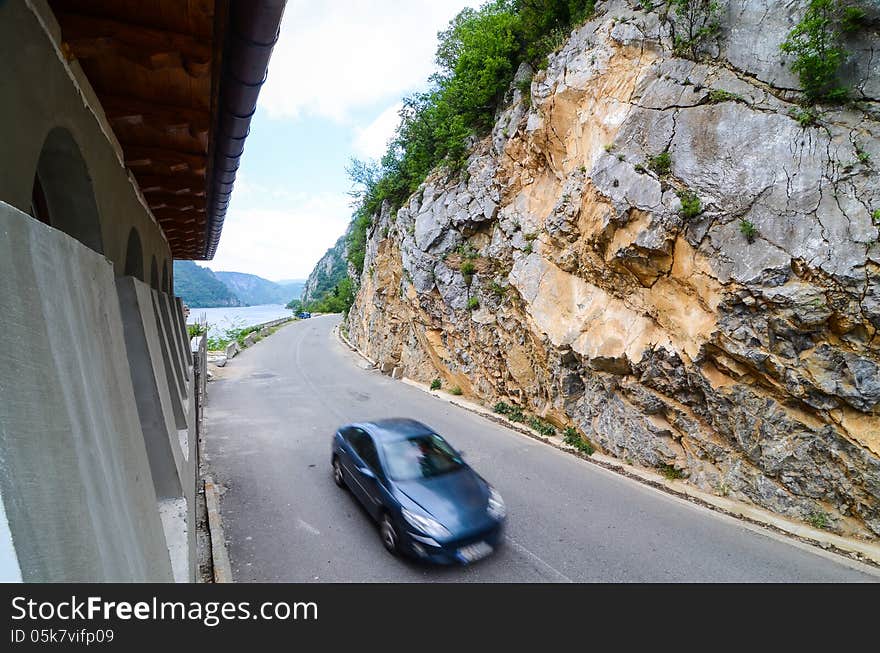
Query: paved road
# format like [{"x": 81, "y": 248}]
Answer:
[{"x": 269, "y": 422}]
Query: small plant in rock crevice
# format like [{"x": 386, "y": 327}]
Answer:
[
  {"x": 805, "y": 117},
  {"x": 719, "y": 95},
  {"x": 661, "y": 163},
  {"x": 748, "y": 229},
  {"x": 455, "y": 390},
  {"x": 467, "y": 269},
  {"x": 875, "y": 216},
  {"x": 691, "y": 206},
  {"x": 473, "y": 303},
  {"x": 498, "y": 289},
  {"x": 435, "y": 384}
]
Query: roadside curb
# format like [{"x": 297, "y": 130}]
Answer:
[
  {"x": 852, "y": 549},
  {"x": 353, "y": 347},
  {"x": 219, "y": 555}
]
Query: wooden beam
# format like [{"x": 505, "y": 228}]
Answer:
[
  {"x": 161, "y": 116},
  {"x": 174, "y": 184},
  {"x": 137, "y": 156},
  {"x": 90, "y": 37},
  {"x": 181, "y": 202}
]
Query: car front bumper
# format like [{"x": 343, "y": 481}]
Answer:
[{"x": 460, "y": 551}]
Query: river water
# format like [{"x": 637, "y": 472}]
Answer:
[{"x": 223, "y": 318}]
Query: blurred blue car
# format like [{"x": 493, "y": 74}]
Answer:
[{"x": 428, "y": 502}]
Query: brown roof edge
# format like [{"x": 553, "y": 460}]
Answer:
[{"x": 252, "y": 31}]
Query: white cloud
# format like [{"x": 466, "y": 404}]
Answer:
[
  {"x": 334, "y": 57},
  {"x": 370, "y": 142},
  {"x": 282, "y": 243}
]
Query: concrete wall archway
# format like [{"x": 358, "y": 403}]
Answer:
[
  {"x": 134, "y": 256},
  {"x": 154, "y": 273},
  {"x": 63, "y": 196}
]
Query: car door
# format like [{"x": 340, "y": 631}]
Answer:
[{"x": 367, "y": 471}]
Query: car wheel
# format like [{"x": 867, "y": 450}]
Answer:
[
  {"x": 389, "y": 534},
  {"x": 337, "y": 473}
]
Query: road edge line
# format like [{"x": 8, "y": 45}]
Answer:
[{"x": 219, "y": 554}]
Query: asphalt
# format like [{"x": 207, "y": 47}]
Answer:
[{"x": 270, "y": 417}]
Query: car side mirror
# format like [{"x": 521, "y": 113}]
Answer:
[{"x": 366, "y": 472}]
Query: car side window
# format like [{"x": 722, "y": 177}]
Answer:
[
  {"x": 365, "y": 448},
  {"x": 350, "y": 435}
]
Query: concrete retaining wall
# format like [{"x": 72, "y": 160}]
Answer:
[{"x": 76, "y": 480}]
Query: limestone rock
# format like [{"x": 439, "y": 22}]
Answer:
[{"x": 749, "y": 364}]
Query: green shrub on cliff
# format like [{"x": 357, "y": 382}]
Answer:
[
  {"x": 477, "y": 57},
  {"x": 816, "y": 45}
]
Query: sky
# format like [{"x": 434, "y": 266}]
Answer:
[{"x": 336, "y": 79}]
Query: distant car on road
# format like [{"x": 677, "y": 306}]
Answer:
[
  {"x": 303, "y": 315},
  {"x": 428, "y": 502}
]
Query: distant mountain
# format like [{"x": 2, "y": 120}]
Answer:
[
  {"x": 293, "y": 287},
  {"x": 254, "y": 290},
  {"x": 200, "y": 288}
]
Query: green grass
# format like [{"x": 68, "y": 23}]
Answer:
[
  {"x": 661, "y": 164},
  {"x": 435, "y": 384},
  {"x": 863, "y": 157},
  {"x": 516, "y": 414},
  {"x": 498, "y": 289},
  {"x": 455, "y": 390},
  {"x": 502, "y": 408},
  {"x": 571, "y": 437},
  {"x": 670, "y": 472},
  {"x": 720, "y": 95},
  {"x": 473, "y": 303},
  {"x": 875, "y": 216},
  {"x": 818, "y": 520},
  {"x": 542, "y": 427}
]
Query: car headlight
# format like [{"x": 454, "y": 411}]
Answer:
[
  {"x": 425, "y": 524},
  {"x": 496, "y": 507}
]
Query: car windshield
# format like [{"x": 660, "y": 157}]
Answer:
[{"x": 423, "y": 456}]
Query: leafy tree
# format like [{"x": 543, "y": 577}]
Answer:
[
  {"x": 694, "y": 21},
  {"x": 816, "y": 44}
]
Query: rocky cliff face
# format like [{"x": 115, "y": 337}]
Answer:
[
  {"x": 563, "y": 274},
  {"x": 328, "y": 271}
]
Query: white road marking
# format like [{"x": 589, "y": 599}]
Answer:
[
  {"x": 308, "y": 527},
  {"x": 548, "y": 567}
]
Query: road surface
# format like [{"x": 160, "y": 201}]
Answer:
[{"x": 270, "y": 417}]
